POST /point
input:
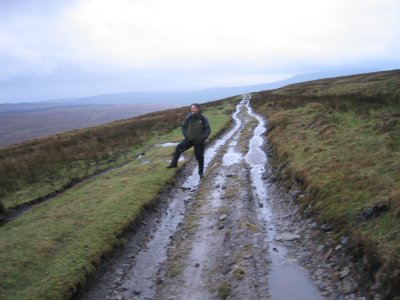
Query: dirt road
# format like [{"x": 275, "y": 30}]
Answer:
[{"x": 235, "y": 234}]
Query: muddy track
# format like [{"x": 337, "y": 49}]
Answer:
[{"x": 233, "y": 235}]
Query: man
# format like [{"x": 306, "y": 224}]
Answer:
[{"x": 195, "y": 129}]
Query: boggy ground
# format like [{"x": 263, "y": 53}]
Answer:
[{"x": 227, "y": 241}]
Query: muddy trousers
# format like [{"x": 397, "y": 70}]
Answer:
[{"x": 198, "y": 153}]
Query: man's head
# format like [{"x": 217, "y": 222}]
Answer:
[{"x": 195, "y": 109}]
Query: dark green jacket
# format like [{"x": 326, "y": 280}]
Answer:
[{"x": 196, "y": 128}]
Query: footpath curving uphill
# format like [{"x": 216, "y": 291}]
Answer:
[{"x": 235, "y": 234}]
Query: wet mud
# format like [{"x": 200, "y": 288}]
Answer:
[{"x": 235, "y": 234}]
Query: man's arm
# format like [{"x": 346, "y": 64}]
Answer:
[
  {"x": 184, "y": 126},
  {"x": 206, "y": 128}
]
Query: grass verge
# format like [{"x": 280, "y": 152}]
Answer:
[{"x": 340, "y": 139}]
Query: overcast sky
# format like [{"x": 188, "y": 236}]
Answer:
[{"x": 59, "y": 49}]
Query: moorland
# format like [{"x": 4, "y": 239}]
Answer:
[{"x": 337, "y": 139}]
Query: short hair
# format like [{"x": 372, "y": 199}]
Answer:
[{"x": 197, "y": 105}]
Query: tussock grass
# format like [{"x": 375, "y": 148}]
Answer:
[
  {"x": 239, "y": 273},
  {"x": 340, "y": 139},
  {"x": 49, "y": 251},
  {"x": 223, "y": 290}
]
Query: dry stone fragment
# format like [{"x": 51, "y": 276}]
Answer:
[{"x": 287, "y": 236}]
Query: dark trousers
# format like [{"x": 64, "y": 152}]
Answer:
[{"x": 198, "y": 153}]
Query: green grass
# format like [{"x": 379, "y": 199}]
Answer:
[
  {"x": 79, "y": 170},
  {"x": 49, "y": 251},
  {"x": 224, "y": 290},
  {"x": 352, "y": 159}
]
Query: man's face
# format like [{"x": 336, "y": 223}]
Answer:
[{"x": 194, "y": 109}]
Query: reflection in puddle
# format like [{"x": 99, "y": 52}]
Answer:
[
  {"x": 167, "y": 144},
  {"x": 287, "y": 280},
  {"x": 202, "y": 243},
  {"x": 231, "y": 158},
  {"x": 155, "y": 252}
]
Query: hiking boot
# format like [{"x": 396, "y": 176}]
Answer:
[
  {"x": 172, "y": 165},
  {"x": 201, "y": 175}
]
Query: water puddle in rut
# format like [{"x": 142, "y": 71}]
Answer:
[{"x": 287, "y": 280}]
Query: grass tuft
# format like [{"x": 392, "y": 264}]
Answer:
[{"x": 224, "y": 290}]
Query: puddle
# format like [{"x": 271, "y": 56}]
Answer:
[
  {"x": 231, "y": 158},
  {"x": 143, "y": 159},
  {"x": 203, "y": 243},
  {"x": 287, "y": 280},
  {"x": 167, "y": 144},
  {"x": 141, "y": 278}
]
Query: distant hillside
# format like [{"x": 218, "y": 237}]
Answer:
[
  {"x": 175, "y": 99},
  {"x": 25, "y": 121}
]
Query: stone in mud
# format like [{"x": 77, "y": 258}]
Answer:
[
  {"x": 349, "y": 285},
  {"x": 375, "y": 210},
  {"x": 273, "y": 179},
  {"x": 326, "y": 227},
  {"x": 223, "y": 217},
  {"x": 295, "y": 193},
  {"x": 328, "y": 254},
  {"x": 344, "y": 240},
  {"x": 287, "y": 236},
  {"x": 117, "y": 297},
  {"x": 324, "y": 285},
  {"x": 247, "y": 256},
  {"x": 320, "y": 248},
  {"x": 344, "y": 273},
  {"x": 338, "y": 247},
  {"x": 319, "y": 272}
]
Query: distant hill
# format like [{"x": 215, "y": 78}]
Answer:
[
  {"x": 25, "y": 121},
  {"x": 176, "y": 99}
]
